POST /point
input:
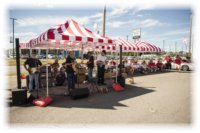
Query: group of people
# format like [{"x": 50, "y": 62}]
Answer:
[
  {"x": 145, "y": 67},
  {"x": 32, "y": 65},
  {"x": 132, "y": 66},
  {"x": 177, "y": 61}
]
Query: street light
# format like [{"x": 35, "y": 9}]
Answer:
[{"x": 13, "y": 21}]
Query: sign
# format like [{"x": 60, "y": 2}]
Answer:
[
  {"x": 136, "y": 33},
  {"x": 185, "y": 41}
]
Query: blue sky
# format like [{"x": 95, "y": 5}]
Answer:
[{"x": 171, "y": 25}]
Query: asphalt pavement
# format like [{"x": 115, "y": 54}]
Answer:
[{"x": 161, "y": 98}]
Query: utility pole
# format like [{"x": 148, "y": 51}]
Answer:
[
  {"x": 175, "y": 46},
  {"x": 13, "y": 21},
  {"x": 190, "y": 41},
  {"x": 104, "y": 20},
  {"x": 163, "y": 45}
]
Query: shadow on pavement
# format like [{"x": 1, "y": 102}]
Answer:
[
  {"x": 152, "y": 73},
  {"x": 100, "y": 101}
]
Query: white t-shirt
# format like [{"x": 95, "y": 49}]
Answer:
[
  {"x": 127, "y": 64},
  {"x": 135, "y": 65},
  {"x": 101, "y": 58}
]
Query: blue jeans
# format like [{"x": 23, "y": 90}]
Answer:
[
  {"x": 90, "y": 70},
  {"x": 71, "y": 80},
  {"x": 33, "y": 78}
]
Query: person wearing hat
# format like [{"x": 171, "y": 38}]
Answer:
[
  {"x": 101, "y": 61},
  {"x": 33, "y": 65}
]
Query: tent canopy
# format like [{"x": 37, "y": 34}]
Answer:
[
  {"x": 147, "y": 47},
  {"x": 127, "y": 46},
  {"x": 73, "y": 36},
  {"x": 69, "y": 34}
]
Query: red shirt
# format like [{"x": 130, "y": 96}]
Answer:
[
  {"x": 151, "y": 64},
  {"x": 113, "y": 63},
  {"x": 178, "y": 61},
  {"x": 168, "y": 59},
  {"x": 159, "y": 64}
]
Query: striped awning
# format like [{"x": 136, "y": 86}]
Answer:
[{"x": 68, "y": 34}]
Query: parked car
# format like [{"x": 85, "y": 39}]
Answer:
[
  {"x": 60, "y": 57},
  {"x": 42, "y": 56},
  {"x": 185, "y": 66},
  {"x": 50, "y": 56},
  {"x": 130, "y": 57},
  {"x": 24, "y": 56}
]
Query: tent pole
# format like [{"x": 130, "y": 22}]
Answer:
[
  {"x": 82, "y": 51},
  {"x": 116, "y": 62},
  {"x": 47, "y": 79}
]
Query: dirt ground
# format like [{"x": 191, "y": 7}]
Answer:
[{"x": 161, "y": 98}]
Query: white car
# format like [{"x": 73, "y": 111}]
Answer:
[
  {"x": 50, "y": 56},
  {"x": 185, "y": 66}
]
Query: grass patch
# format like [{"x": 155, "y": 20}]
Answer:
[{"x": 12, "y": 62}]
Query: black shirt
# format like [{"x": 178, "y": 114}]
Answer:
[
  {"x": 91, "y": 60},
  {"x": 69, "y": 67},
  {"x": 32, "y": 62}
]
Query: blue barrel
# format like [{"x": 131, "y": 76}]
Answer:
[
  {"x": 65, "y": 53},
  {"x": 76, "y": 54}
]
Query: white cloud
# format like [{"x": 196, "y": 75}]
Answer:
[
  {"x": 119, "y": 11},
  {"x": 36, "y": 21},
  {"x": 135, "y": 23},
  {"x": 117, "y": 24},
  {"x": 170, "y": 35},
  {"x": 54, "y": 20},
  {"x": 176, "y": 32},
  {"x": 123, "y": 9},
  {"x": 140, "y": 15},
  {"x": 24, "y": 36},
  {"x": 150, "y": 23},
  {"x": 49, "y": 20},
  {"x": 145, "y": 7}
]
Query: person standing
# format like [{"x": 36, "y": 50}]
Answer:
[
  {"x": 101, "y": 61},
  {"x": 168, "y": 61},
  {"x": 90, "y": 65},
  {"x": 70, "y": 60},
  {"x": 178, "y": 62},
  {"x": 33, "y": 65}
]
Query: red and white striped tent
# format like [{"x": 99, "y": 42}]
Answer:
[
  {"x": 24, "y": 45},
  {"x": 70, "y": 34},
  {"x": 147, "y": 47},
  {"x": 127, "y": 46}
]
